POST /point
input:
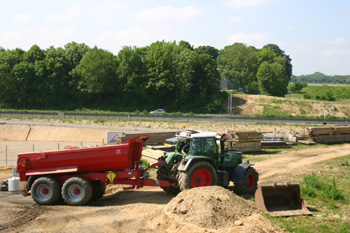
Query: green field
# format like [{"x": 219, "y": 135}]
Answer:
[{"x": 327, "y": 194}]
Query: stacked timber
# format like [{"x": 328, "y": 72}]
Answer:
[
  {"x": 247, "y": 141},
  {"x": 151, "y": 155},
  {"x": 331, "y": 134}
]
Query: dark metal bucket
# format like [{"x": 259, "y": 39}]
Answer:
[{"x": 281, "y": 200}]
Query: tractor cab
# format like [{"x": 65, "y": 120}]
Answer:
[{"x": 200, "y": 143}]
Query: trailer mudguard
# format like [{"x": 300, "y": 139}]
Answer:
[
  {"x": 239, "y": 172},
  {"x": 192, "y": 160}
]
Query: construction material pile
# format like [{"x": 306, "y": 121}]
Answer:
[
  {"x": 331, "y": 134},
  {"x": 274, "y": 144},
  {"x": 155, "y": 137},
  {"x": 247, "y": 141}
]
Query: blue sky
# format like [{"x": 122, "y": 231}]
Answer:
[{"x": 316, "y": 34}]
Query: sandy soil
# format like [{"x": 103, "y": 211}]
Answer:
[
  {"x": 255, "y": 104},
  {"x": 206, "y": 209},
  {"x": 286, "y": 166}
]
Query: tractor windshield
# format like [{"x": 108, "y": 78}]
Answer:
[
  {"x": 196, "y": 147},
  {"x": 204, "y": 146},
  {"x": 210, "y": 147}
]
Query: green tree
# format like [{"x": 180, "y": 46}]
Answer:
[
  {"x": 185, "y": 45},
  {"x": 131, "y": 71},
  {"x": 274, "y": 67},
  {"x": 9, "y": 83},
  {"x": 74, "y": 52},
  {"x": 53, "y": 73},
  {"x": 205, "y": 93},
  {"x": 272, "y": 79},
  {"x": 239, "y": 63},
  {"x": 280, "y": 53},
  {"x": 97, "y": 73},
  {"x": 295, "y": 87},
  {"x": 211, "y": 51}
]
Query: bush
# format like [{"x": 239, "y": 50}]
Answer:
[
  {"x": 330, "y": 191},
  {"x": 314, "y": 187}
]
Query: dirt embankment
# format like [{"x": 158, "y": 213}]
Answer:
[
  {"x": 51, "y": 133},
  {"x": 261, "y": 105}
]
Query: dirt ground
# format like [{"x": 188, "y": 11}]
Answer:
[{"x": 149, "y": 209}]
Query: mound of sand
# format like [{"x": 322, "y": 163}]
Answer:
[{"x": 209, "y": 208}]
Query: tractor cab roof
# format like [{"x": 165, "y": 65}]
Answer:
[{"x": 196, "y": 134}]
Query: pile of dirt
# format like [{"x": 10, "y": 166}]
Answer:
[{"x": 209, "y": 209}]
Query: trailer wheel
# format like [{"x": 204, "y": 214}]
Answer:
[
  {"x": 77, "y": 191},
  {"x": 98, "y": 189},
  {"x": 200, "y": 174},
  {"x": 46, "y": 190},
  {"x": 250, "y": 182}
]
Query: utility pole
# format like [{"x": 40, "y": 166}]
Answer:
[{"x": 229, "y": 105}]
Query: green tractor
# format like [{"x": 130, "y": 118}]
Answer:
[{"x": 206, "y": 163}]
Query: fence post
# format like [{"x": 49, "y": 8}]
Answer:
[
  {"x": 6, "y": 154},
  {"x": 58, "y": 146}
]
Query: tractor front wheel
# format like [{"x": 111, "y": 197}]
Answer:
[
  {"x": 173, "y": 190},
  {"x": 200, "y": 174},
  {"x": 250, "y": 182}
]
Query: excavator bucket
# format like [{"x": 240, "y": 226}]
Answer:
[{"x": 281, "y": 200}]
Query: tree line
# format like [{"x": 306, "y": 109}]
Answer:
[
  {"x": 170, "y": 75},
  {"x": 321, "y": 78}
]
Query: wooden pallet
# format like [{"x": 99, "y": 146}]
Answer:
[{"x": 274, "y": 144}]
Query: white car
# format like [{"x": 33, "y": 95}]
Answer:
[{"x": 158, "y": 111}]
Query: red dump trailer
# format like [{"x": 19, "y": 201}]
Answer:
[{"x": 80, "y": 175}]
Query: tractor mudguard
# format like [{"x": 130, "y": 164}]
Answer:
[
  {"x": 194, "y": 159},
  {"x": 238, "y": 174}
]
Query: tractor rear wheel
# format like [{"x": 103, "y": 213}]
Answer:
[
  {"x": 46, "y": 190},
  {"x": 199, "y": 174},
  {"x": 250, "y": 182},
  {"x": 77, "y": 191}
]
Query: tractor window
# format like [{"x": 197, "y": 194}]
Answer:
[
  {"x": 210, "y": 147},
  {"x": 196, "y": 147},
  {"x": 180, "y": 144}
]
